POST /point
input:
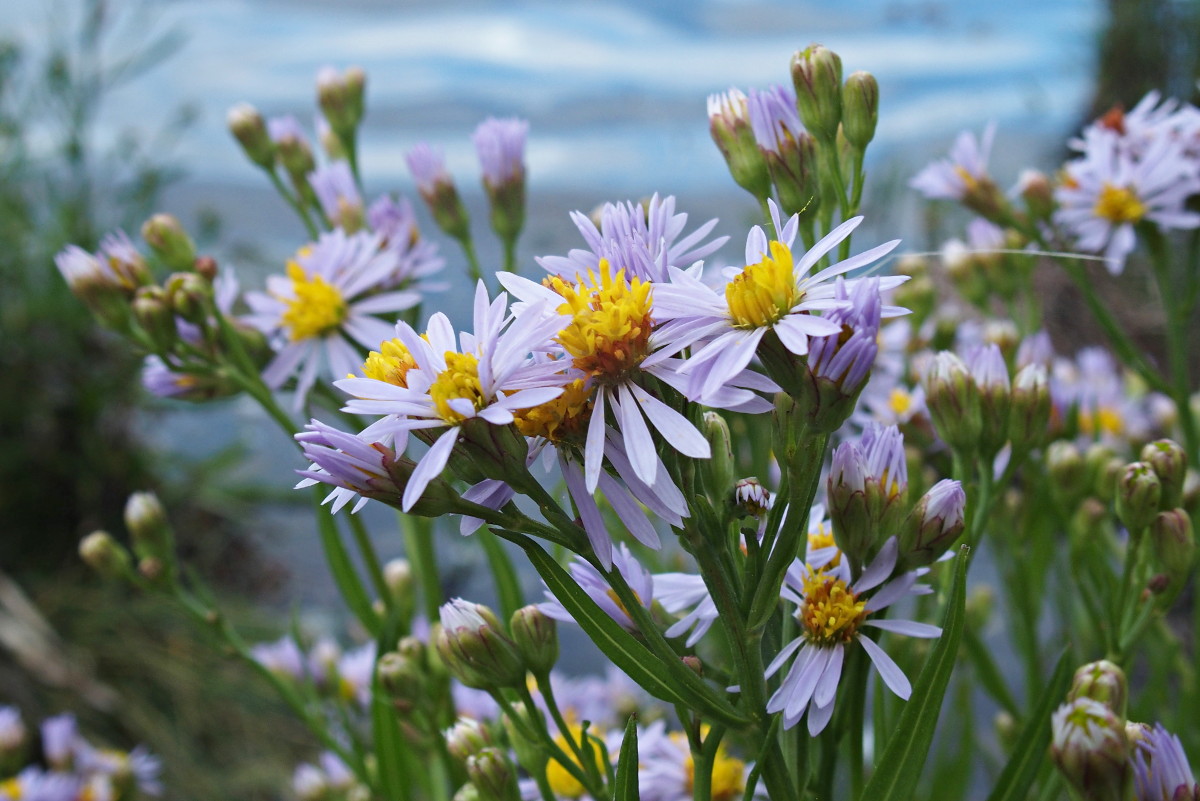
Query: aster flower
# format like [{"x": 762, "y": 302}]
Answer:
[
  {"x": 844, "y": 360},
  {"x": 1107, "y": 192},
  {"x": 500, "y": 145},
  {"x": 594, "y": 583},
  {"x": 338, "y": 194},
  {"x": 417, "y": 258},
  {"x": 1160, "y": 767},
  {"x": 117, "y": 264},
  {"x": 1088, "y": 743},
  {"x": 729, "y": 124},
  {"x": 327, "y": 301},
  {"x": 438, "y": 381},
  {"x": 962, "y": 174},
  {"x": 12, "y": 729},
  {"x": 831, "y": 614},
  {"x": 282, "y": 657},
  {"x": 666, "y": 770},
  {"x": 771, "y": 294},
  {"x": 643, "y": 240}
]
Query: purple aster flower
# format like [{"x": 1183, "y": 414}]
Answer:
[
  {"x": 12, "y": 729},
  {"x": 417, "y": 258},
  {"x": 338, "y": 194},
  {"x": 500, "y": 144},
  {"x": 117, "y": 264},
  {"x": 61, "y": 740},
  {"x": 428, "y": 168},
  {"x": 774, "y": 118},
  {"x": 594, "y": 583},
  {"x": 1160, "y": 768},
  {"x": 642, "y": 240},
  {"x": 328, "y": 300},
  {"x": 831, "y": 614},
  {"x": 847, "y": 360},
  {"x": 282, "y": 657},
  {"x": 958, "y": 176}
]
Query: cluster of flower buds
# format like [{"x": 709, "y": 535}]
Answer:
[
  {"x": 1088, "y": 739},
  {"x": 152, "y": 538},
  {"x": 478, "y": 651}
]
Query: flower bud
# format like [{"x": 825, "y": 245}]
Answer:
[
  {"x": 1029, "y": 413},
  {"x": 190, "y": 295},
  {"x": 1088, "y": 745},
  {"x": 729, "y": 124},
  {"x": 1138, "y": 494},
  {"x": 468, "y": 792},
  {"x": 1101, "y": 681},
  {"x": 402, "y": 678},
  {"x": 1068, "y": 474},
  {"x": 1035, "y": 189},
  {"x": 860, "y": 108},
  {"x": 536, "y": 637},
  {"x": 493, "y": 775},
  {"x": 466, "y": 738},
  {"x": 341, "y": 98},
  {"x": 296, "y": 156},
  {"x": 817, "y": 76},
  {"x": 751, "y": 498},
  {"x": 952, "y": 397},
  {"x": 166, "y": 237},
  {"x": 990, "y": 374},
  {"x": 500, "y": 145},
  {"x": 148, "y": 527},
  {"x": 935, "y": 522},
  {"x": 1169, "y": 461},
  {"x": 105, "y": 555},
  {"x": 1174, "y": 544},
  {"x": 398, "y": 577},
  {"x": 717, "y": 473},
  {"x": 153, "y": 313},
  {"x": 248, "y": 127},
  {"x": 475, "y": 649}
]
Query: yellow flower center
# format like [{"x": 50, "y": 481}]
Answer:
[
  {"x": 460, "y": 379},
  {"x": 609, "y": 332},
  {"x": 11, "y": 788},
  {"x": 763, "y": 293},
  {"x": 564, "y": 418},
  {"x": 390, "y": 363},
  {"x": 1119, "y": 204},
  {"x": 900, "y": 401},
  {"x": 563, "y": 783},
  {"x": 970, "y": 182},
  {"x": 823, "y": 538},
  {"x": 728, "y": 773},
  {"x": 831, "y": 612},
  {"x": 1105, "y": 420},
  {"x": 316, "y": 307},
  {"x": 616, "y": 600}
]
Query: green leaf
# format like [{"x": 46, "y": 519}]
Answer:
[
  {"x": 668, "y": 680},
  {"x": 344, "y": 575},
  {"x": 1030, "y": 752},
  {"x": 508, "y": 586},
  {"x": 989, "y": 674},
  {"x": 626, "y": 785},
  {"x": 389, "y": 745},
  {"x": 898, "y": 770}
]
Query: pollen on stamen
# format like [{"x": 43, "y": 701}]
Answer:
[{"x": 763, "y": 293}]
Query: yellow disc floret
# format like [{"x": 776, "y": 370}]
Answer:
[
  {"x": 561, "y": 781},
  {"x": 822, "y": 537},
  {"x": 1103, "y": 420},
  {"x": 315, "y": 308},
  {"x": 728, "y": 773},
  {"x": 460, "y": 379},
  {"x": 763, "y": 293},
  {"x": 609, "y": 332},
  {"x": 390, "y": 363},
  {"x": 831, "y": 612},
  {"x": 564, "y": 418},
  {"x": 1119, "y": 204}
]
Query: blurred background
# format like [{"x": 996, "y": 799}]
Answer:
[{"x": 112, "y": 110}]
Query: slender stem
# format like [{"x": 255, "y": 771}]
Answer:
[
  {"x": 468, "y": 248},
  {"x": 370, "y": 558},
  {"x": 294, "y": 202},
  {"x": 702, "y": 764},
  {"x": 418, "y": 544},
  {"x": 510, "y": 254},
  {"x": 857, "y": 688},
  {"x": 543, "y": 682}
]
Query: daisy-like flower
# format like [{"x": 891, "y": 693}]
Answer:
[
  {"x": 500, "y": 145},
  {"x": 593, "y": 582},
  {"x": 338, "y": 194},
  {"x": 1161, "y": 771},
  {"x": 667, "y": 771},
  {"x": 117, "y": 265},
  {"x": 610, "y": 341},
  {"x": 282, "y": 657},
  {"x": 963, "y": 173},
  {"x": 439, "y": 381},
  {"x": 1108, "y": 191},
  {"x": 417, "y": 258},
  {"x": 327, "y": 301},
  {"x": 771, "y": 294},
  {"x": 643, "y": 240},
  {"x": 832, "y": 613}
]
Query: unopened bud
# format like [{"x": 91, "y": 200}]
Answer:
[
  {"x": 935, "y": 522},
  {"x": 296, "y": 156},
  {"x": 1138, "y": 494},
  {"x": 151, "y": 568},
  {"x": 860, "y": 108},
  {"x": 493, "y": 775},
  {"x": 398, "y": 578},
  {"x": 1169, "y": 461},
  {"x": 466, "y": 738},
  {"x": 817, "y": 76},
  {"x": 341, "y": 98},
  {"x": 1088, "y": 744},
  {"x": 1174, "y": 543},
  {"x": 190, "y": 295},
  {"x": 248, "y": 127},
  {"x": 475, "y": 649},
  {"x": 952, "y": 397},
  {"x": 990, "y": 374},
  {"x": 536, "y": 637},
  {"x": 1068, "y": 474},
  {"x": 206, "y": 267},
  {"x": 717, "y": 473},
  {"x": 105, "y": 555},
  {"x": 148, "y": 527},
  {"x": 1029, "y": 413},
  {"x": 468, "y": 792},
  {"x": 1038, "y": 194},
  {"x": 751, "y": 498},
  {"x": 402, "y": 678},
  {"x": 1101, "y": 681},
  {"x": 693, "y": 664},
  {"x": 153, "y": 313},
  {"x": 166, "y": 237},
  {"x": 729, "y": 124}
]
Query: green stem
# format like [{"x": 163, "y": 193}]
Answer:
[
  {"x": 702, "y": 764},
  {"x": 370, "y": 558},
  {"x": 468, "y": 248},
  {"x": 857, "y": 687},
  {"x": 418, "y": 544},
  {"x": 510, "y": 254},
  {"x": 294, "y": 202},
  {"x": 1176, "y": 303}
]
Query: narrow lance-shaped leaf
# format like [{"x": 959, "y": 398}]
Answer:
[
  {"x": 347, "y": 580},
  {"x": 626, "y": 785},
  {"x": 899, "y": 769}
]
